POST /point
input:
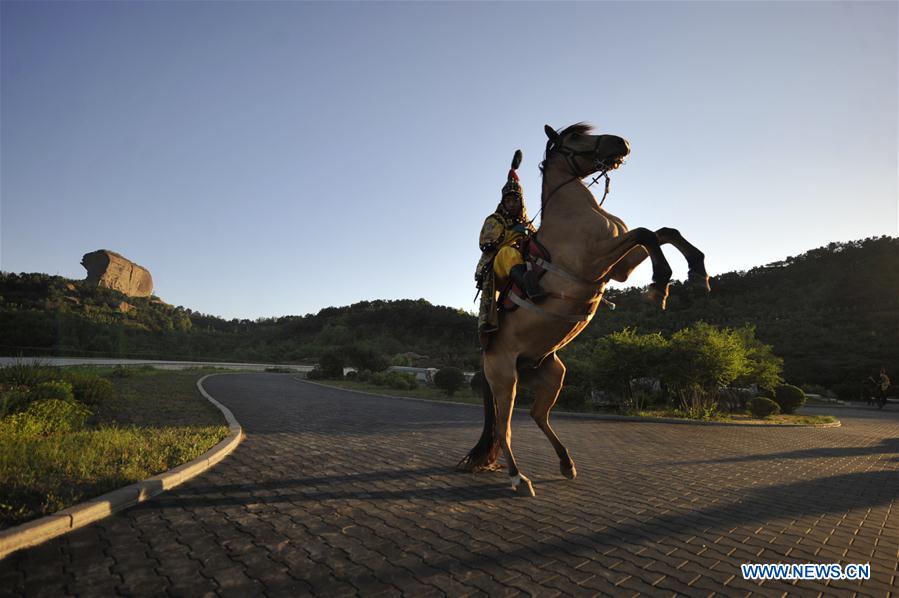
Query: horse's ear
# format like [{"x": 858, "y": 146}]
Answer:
[{"x": 551, "y": 133}]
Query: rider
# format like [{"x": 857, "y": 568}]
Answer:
[{"x": 500, "y": 242}]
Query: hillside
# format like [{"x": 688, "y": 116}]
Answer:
[{"x": 832, "y": 313}]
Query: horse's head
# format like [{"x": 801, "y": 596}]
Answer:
[{"x": 585, "y": 153}]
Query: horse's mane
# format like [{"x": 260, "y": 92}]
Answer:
[{"x": 580, "y": 127}]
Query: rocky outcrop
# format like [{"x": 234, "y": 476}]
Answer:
[{"x": 109, "y": 269}]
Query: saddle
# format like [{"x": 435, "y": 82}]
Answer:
[{"x": 531, "y": 249}]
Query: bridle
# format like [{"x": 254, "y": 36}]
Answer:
[{"x": 604, "y": 165}]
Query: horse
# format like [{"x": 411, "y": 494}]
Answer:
[{"x": 588, "y": 248}]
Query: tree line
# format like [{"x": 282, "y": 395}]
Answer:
[{"x": 831, "y": 314}]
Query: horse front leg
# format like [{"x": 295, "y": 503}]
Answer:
[
  {"x": 647, "y": 242},
  {"x": 696, "y": 275}
]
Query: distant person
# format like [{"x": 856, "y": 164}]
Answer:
[
  {"x": 883, "y": 384},
  {"x": 501, "y": 260}
]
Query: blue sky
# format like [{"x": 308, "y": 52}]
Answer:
[{"x": 274, "y": 158}]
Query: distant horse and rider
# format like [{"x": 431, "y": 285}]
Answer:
[{"x": 577, "y": 250}]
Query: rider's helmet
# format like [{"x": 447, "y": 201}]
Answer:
[{"x": 513, "y": 186}]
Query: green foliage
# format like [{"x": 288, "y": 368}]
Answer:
[
  {"x": 315, "y": 374},
  {"x": 121, "y": 371},
  {"x": 28, "y": 374},
  {"x": 478, "y": 382},
  {"x": 394, "y": 380},
  {"x": 89, "y": 388},
  {"x": 365, "y": 359},
  {"x": 762, "y": 368},
  {"x": 331, "y": 364},
  {"x": 449, "y": 380},
  {"x": 52, "y": 457},
  {"x": 13, "y": 399},
  {"x": 56, "y": 390},
  {"x": 46, "y": 417},
  {"x": 789, "y": 398},
  {"x": 705, "y": 356},
  {"x": 623, "y": 356},
  {"x": 695, "y": 364},
  {"x": 761, "y": 407}
]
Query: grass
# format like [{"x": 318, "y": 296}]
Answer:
[
  {"x": 158, "y": 420},
  {"x": 745, "y": 418}
]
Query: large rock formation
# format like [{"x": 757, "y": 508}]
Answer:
[{"x": 109, "y": 269}]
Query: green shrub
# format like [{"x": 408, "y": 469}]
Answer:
[
  {"x": 46, "y": 417},
  {"x": 572, "y": 397},
  {"x": 478, "y": 382},
  {"x": 315, "y": 374},
  {"x": 89, "y": 388},
  {"x": 761, "y": 407},
  {"x": 56, "y": 390},
  {"x": 121, "y": 371},
  {"x": 395, "y": 380},
  {"x": 13, "y": 399},
  {"x": 331, "y": 364},
  {"x": 22, "y": 374},
  {"x": 449, "y": 380},
  {"x": 789, "y": 397}
]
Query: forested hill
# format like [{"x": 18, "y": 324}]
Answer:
[{"x": 832, "y": 313}]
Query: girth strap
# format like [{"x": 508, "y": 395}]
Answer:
[
  {"x": 548, "y": 314},
  {"x": 550, "y": 267}
]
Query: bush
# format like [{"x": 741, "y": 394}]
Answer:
[
  {"x": 315, "y": 374},
  {"x": 572, "y": 397},
  {"x": 478, "y": 382},
  {"x": 449, "y": 380},
  {"x": 761, "y": 407},
  {"x": 13, "y": 399},
  {"x": 22, "y": 374},
  {"x": 121, "y": 371},
  {"x": 789, "y": 398},
  {"x": 89, "y": 388},
  {"x": 331, "y": 364},
  {"x": 52, "y": 391},
  {"x": 48, "y": 416},
  {"x": 395, "y": 380}
]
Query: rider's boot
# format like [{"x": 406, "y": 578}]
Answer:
[{"x": 527, "y": 282}]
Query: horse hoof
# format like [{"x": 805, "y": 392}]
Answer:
[
  {"x": 523, "y": 487},
  {"x": 699, "y": 281},
  {"x": 569, "y": 472},
  {"x": 657, "y": 297}
]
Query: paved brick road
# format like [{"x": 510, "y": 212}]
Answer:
[{"x": 334, "y": 494}]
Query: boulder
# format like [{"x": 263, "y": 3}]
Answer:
[{"x": 109, "y": 269}]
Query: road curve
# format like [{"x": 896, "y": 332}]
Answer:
[{"x": 334, "y": 493}]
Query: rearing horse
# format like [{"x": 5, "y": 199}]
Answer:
[{"x": 589, "y": 247}]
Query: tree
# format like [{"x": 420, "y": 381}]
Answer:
[
  {"x": 331, "y": 364},
  {"x": 449, "y": 380},
  {"x": 621, "y": 357}
]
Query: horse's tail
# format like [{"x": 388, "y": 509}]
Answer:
[{"x": 485, "y": 453}]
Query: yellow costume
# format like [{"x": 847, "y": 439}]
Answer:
[{"x": 500, "y": 240}]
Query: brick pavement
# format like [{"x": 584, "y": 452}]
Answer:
[{"x": 338, "y": 494}]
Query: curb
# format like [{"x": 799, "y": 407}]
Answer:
[
  {"x": 596, "y": 416},
  {"x": 72, "y": 518}
]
